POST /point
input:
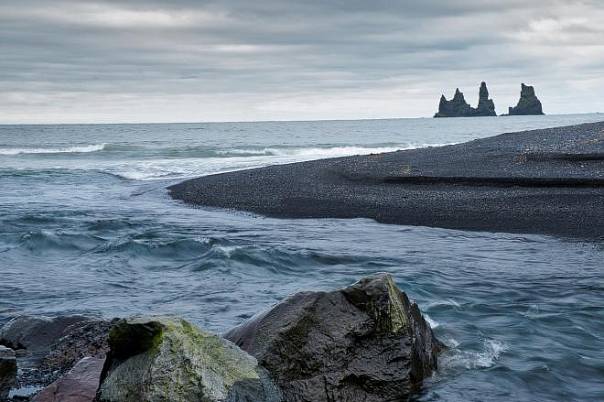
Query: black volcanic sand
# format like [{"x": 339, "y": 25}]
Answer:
[{"x": 547, "y": 181}]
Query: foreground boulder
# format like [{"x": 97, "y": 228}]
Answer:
[
  {"x": 528, "y": 104},
  {"x": 366, "y": 342},
  {"x": 168, "y": 359},
  {"x": 78, "y": 385},
  {"x": 47, "y": 348},
  {"x": 8, "y": 371},
  {"x": 35, "y": 335}
]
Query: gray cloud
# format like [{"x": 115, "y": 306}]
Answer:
[{"x": 240, "y": 60}]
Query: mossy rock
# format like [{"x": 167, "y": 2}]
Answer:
[
  {"x": 366, "y": 342},
  {"x": 161, "y": 359}
]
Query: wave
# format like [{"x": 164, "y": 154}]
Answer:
[
  {"x": 487, "y": 357},
  {"x": 57, "y": 150},
  {"x": 325, "y": 152},
  {"x": 433, "y": 323},
  {"x": 136, "y": 162}
]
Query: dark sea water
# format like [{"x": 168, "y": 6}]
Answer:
[{"x": 87, "y": 226}]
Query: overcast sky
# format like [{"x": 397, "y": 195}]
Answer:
[{"x": 235, "y": 60}]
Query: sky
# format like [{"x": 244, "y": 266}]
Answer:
[{"x": 110, "y": 61}]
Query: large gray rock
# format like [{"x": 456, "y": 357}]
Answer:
[
  {"x": 78, "y": 385},
  {"x": 366, "y": 342},
  {"x": 8, "y": 371},
  {"x": 167, "y": 359},
  {"x": 528, "y": 104},
  {"x": 36, "y": 334}
]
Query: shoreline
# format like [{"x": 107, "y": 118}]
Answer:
[{"x": 546, "y": 181}]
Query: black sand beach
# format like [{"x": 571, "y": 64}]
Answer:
[{"x": 547, "y": 181}]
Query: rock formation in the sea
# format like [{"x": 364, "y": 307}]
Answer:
[
  {"x": 458, "y": 107},
  {"x": 528, "y": 104},
  {"x": 366, "y": 342},
  {"x": 486, "y": 106},
  {"x": 168, "y": 359},
  {"x": 8, "y": 371}
]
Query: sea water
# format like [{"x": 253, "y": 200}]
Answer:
[{"x": 87, "y": 226}]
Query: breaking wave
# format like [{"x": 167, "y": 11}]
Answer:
[{"x": 57, "y": 150}]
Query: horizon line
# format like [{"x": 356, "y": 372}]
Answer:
[{"x": 269, "y": 121}]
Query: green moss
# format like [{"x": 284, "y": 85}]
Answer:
[
  {"x": 388, "y": 310},
  {"x": 397, "y": 313}
]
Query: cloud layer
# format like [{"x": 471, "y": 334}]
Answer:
[{"x": 109, "y": 61}]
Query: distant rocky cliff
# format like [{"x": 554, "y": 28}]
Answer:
[
  {"x": 486, "y": 106},
  {"x": 528, "y": 103},
  {"x": 458, "y": 107}
]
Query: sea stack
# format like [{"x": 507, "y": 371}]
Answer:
[
  {"x": 486, "y": 106},
  {"x": 458, "y": 107},
  {"x": 528, "y": 104}
]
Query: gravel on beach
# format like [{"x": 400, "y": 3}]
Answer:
[{"x": 548, "y": 181}]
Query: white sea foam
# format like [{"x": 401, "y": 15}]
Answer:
[
  {"x": 487, "y": 357},
  {"x": 448, "y": 302},
  {"x": 321, "y": 152},
  {"x": 433, "y": 323},
  {"x": 159, "y": 167},
  {"x": 57, "y": 150},
  {"x": 240, "y": 158}
]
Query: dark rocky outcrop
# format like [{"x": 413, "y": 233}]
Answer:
[
  {"x": 8, "y": 371},
  {"x": 486, "y": 106},
  {"x": 78, "y": 385},
  {"x": 366, "y": 342},
  {"x": 168, "y": 359},
  {"x": 528, "y": 104},
  {"x": 458, "y": 107}
]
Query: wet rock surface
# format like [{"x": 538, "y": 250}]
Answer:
[
  {"x": 528, "y": 104},
  {"x": 168, "y": 359},
  {"x": 78, "y": 385},
  {"x": 8, "y": 371},
  {"x": 83, "y": 339},
  {"x": 366, "y": 342},
  {"x": 49, "y": 347},
  {"x": 36, "y": 334}
]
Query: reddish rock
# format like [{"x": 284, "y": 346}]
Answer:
[{"x": 78, "y": 385}]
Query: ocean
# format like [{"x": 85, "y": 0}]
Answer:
[{"x": 87, "y": 226}]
